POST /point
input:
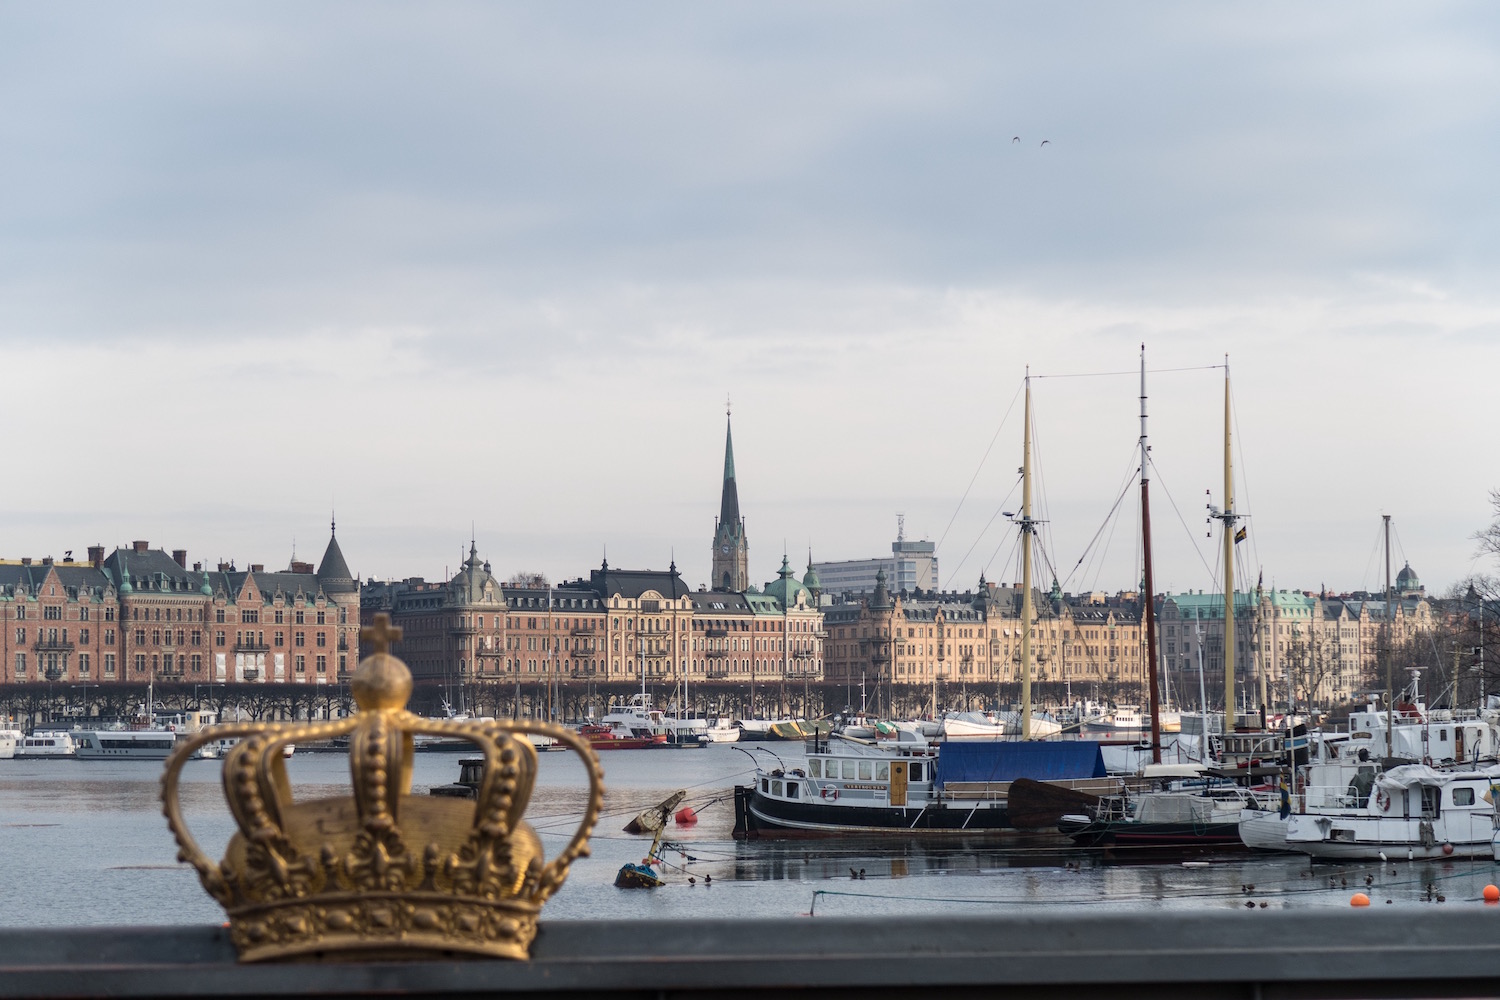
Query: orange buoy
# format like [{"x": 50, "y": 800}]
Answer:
[
  {"x": 1492, "y": 893},
  {"x": 685, "y": 816},
  {"x": 1359, "y": 899}
]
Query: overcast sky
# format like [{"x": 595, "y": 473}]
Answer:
[{"x": 500, "y": 264}]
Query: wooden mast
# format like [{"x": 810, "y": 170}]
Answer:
[
  {"x": 1229, "y": 518},
  {"x": 1027, "y": 612},
  {"x": 1148, "y": 598}
]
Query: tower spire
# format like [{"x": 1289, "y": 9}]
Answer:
[{"x": 731, "y": 560}]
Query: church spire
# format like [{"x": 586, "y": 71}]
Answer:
[
  {"x": 731, "y": 559},
  {"x": 729, "y": 503}
]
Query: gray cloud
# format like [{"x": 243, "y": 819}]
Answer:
[{"x": 521, "y": 252}]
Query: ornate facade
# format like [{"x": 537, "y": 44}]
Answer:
[
  {"x": 141, "y": 614},
  {"x": 974, "y": 637}
]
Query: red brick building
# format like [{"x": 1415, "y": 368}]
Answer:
[{"x": 141, "y": 613}]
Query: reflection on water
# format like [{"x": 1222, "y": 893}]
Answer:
[{"x": 83, "y": 842}]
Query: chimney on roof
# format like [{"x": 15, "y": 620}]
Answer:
[
  {"x": 25, "y": 560},
  {"x": 223, "y": 566},
  {"x": 197, "y": 567},
  {"x": 302, "y": 567},
  {"x": 257, "y": 567},
  {"x": 46, "y": 560},
  {"x": 179, "y": 556},
  {"x": 96, "y": 556},
  {"x": 140, "y": 546}
]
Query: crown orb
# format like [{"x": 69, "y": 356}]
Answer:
[{"x": 381, "y": 681}]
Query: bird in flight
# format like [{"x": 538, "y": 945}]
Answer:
[
  {"x": 1015, "y": 138},
  {"x": 1046, "y": 141}
]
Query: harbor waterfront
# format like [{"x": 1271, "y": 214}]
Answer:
[{"x": 85, "y": 844}]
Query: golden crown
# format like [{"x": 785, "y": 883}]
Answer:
[{"x": 384, "y": 874}]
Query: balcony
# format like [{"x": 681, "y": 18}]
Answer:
[
  {"x": 716, "y": 654},
  {"x": 251, "y": 647},
  {"x": 54, "y": 645},
  {"x": 583, "y": 631},
  {"x": 715, "y": 675},
  {"x": 716, "y": 633}
]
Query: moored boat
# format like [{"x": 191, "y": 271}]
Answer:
[
  {"x": 903, "y": 788},
  {"x": 123, "y": 744},
  {"x": 1409, "y": 811},
  {"x": 45, "y": 744}
]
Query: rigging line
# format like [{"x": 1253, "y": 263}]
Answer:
[
  {"x": 954, "y": 573},
  {"x": 1041, "y": 481},
  {"x": 982, "y": 459},
  {"x": 1114, "y": 523},
  {"x": 1104, "y": 524},
  {"x": 1234, "y": 409},
  {"x": 1133, "y": 371},
  {"x": 1364, "y": 581},
  {"x": 1192, "y": 536},
  {"x": 1013, "y": 540}
]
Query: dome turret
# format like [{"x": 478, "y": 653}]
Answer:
[{"x": 785, "y": 587}]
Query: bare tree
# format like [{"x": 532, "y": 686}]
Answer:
[{"x": 528, "y": 579}]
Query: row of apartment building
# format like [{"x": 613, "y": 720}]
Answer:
[{"x": 139, "y": 614}]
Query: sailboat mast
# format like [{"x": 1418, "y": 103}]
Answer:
[
  {"x": 1148, "y": 598},
  {"x": 1026, "y": 532},
  {"x": 1390, "y": 720},
  {"x": 1229, "y": 633}
]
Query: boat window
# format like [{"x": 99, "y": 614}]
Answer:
[
  {"x": 765, "y": 785},
  {"x": 883, "y": 771},
  {"x": 866, "y": 772},
  {"x": 1463, "y": 796},
  {"x": 1442, "y": 736},
  {"x": 815, "y": 768},
  {"x": 849, "y": 770},
  {"x": 916, "y": 772},
  {"x": 791, "y": 789},
  {"x": 775, "y": 788}
]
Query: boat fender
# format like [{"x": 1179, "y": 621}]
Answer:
[
  {"x": 831, "y": 794},
  {"x": 1383, "y": 800}
]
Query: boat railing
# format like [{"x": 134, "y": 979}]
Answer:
[{"x": 1332, "y": 799}]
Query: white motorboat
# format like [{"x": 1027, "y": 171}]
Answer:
[
  {"x": 1411, "y": 811},
  {"x": 721, "y": 730},
  {"x": 9, "y": 738},
  {"x": 971, "y": 725},
  {"x": 45, "y": 744}
]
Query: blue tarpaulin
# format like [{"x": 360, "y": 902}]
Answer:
[{"x": 1006, "y": 761}]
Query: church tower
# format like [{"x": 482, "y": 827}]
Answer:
[{"x": 731, "y": 551}]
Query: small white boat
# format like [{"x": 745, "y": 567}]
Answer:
[
  {"x": 45, "y": 744},
  {"x": 721, "y": 730},
  {"x": 8, "y": 740},
  {"x": 970, "y": 725}
]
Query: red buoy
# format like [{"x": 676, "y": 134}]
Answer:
[{"x": 685, "y": 816}]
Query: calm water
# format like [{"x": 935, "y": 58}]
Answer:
[{"x": 83, "y": 842}]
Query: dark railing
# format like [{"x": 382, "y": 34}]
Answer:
[{"x": 1059, "y": 952}]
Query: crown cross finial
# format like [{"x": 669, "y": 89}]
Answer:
[{"x": 381, "y": 634}]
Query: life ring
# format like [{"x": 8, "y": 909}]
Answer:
[
  {"x": 1383, "y": 800},
  {"x": 831, "y": 794}
]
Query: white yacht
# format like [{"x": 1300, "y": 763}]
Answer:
[
  {"x": 1411, "y": 811},
  {"x": 45, "y": 744},
  {"x": 123, "y": 744}
]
